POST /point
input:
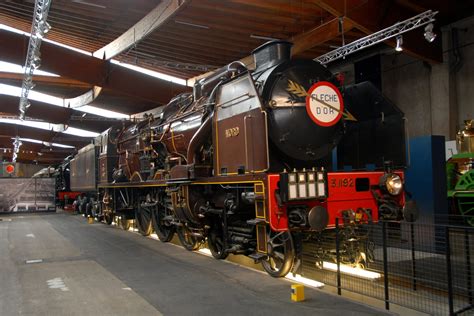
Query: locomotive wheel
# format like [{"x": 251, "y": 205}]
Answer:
[
  {"x": 164, "y": 230},
  {"x": 143, "y": 219},
  {"x": 216, "y": 244},
  {"x": 186, "y": 238},
  {"x": 281, "y": 254},
  {"x": 89, "y": 210},
  {"x": 109, "y": 218},
  {"x": 125, "y": 223}
]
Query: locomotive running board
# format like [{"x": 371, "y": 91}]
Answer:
[
  {"x": 178, "y": 182},
  {"x": 256, "y": 221}
]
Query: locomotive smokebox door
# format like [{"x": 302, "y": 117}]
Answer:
[{"x": 240, "y": 129}]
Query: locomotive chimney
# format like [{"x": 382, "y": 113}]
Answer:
[{"x": 271, "y": 54}]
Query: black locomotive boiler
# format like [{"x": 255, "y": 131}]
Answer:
[{"x": 249, "y": 162}]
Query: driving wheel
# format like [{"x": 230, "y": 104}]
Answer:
[{"x": 281, "y": 253}]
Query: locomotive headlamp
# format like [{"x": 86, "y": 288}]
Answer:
[
  {"x": 305, "y": 184},
  {"x": 321, "y": 185},
  {"x": 292, "y": 186},
  {"x": 312, "y": 185},
  {"x": 302, "y": 194},
  {"x": 392, "y": 183},
  {"x": 292, "y": 177}
]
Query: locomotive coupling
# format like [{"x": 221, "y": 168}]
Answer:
[{"x": 317, "y": 218}]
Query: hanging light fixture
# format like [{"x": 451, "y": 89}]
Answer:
[
  {"x": 430, "y": 36},
  {"x": 28, "y": 84},
  {"x": 16, "y": 148},
  {"x": 399, "y": 47},
  {"x": 43, "y": 28},
  {"x": 36, "y": 62},
  {"x": 393, "y": 31},
  {"x": 39, "y": 28}
]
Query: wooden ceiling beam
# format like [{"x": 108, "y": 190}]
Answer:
[
  {"x": 178, "y": 50},
  {"x": 301, "y": 42},
  {"x": 12, "y": 130},
  {"x": 318, "y": 35},
  {"x": 66, "y": 36},
  {"x": 41, "y": 157},
  {"x": 94, "y": 71},
  {"x": 38, "y": 110},
  {"x": 235, "y": 10},
  {"x": 158, "y": 16},
  {"x": 277, "y": 6},
  {"x": 152, "y": 21},
  {"x": 215, "y": 38},
  {"x": 104, "y": 9},
  {"x": 165, "y": 40},
  {"x": 52, "y": 114},
  {"x": 247, "y": 24},
  {"x": 371, "y": 16},
  {"x": 412, "y": 6},
  {"x": 7, "y": 142},
  {"x": 47, "y": 80}
]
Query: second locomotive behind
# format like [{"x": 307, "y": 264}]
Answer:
[{"x": 243, "y": 162}]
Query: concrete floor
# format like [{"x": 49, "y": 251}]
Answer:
[{"x": 95, "y": 269}]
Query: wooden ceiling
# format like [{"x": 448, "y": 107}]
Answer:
[{"x": 192, "y": 38}]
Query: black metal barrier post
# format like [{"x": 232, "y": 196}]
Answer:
[
  {"x": 468, "y": 275},
  {"x": 448, "y": 271},
  {"x": 413, "y": 261},
  {"x": 468, "y": 263},
  {"x": 338, "y": 258},
  {"x": 385, "y": 265}
]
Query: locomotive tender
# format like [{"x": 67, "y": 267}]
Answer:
[{"x": 244, "y": 163}]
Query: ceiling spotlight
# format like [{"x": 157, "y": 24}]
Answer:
[
  {"x": 36, "y": 62},
  {"x": 17, "y": 142},
  {"x": 24, "y": 103},
  {"x": 399, "y": 47},
  {"x": 429, "y": 34},
  {"x": 43, "y": 29},
  {"x": 29, "y": 84}
]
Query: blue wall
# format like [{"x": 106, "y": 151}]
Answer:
[{"x": 426, "y": 177}]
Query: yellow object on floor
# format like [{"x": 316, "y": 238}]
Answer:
[
  {"x": 297, "y": 292},
  {"x": 90, "y": 220}
]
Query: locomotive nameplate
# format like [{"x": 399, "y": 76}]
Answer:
[
  {"x": 232, "y": 132},
  {"x": 324, "y": 104}
]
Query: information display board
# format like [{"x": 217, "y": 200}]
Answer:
[{"x": 27, "y": 195}]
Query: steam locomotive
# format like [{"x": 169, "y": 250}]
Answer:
[
  {"x": 460, "y": 174},
  {"x": 253, "y": 162}
]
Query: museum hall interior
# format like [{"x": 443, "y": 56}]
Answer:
[{"x": 236, "y": 157}]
